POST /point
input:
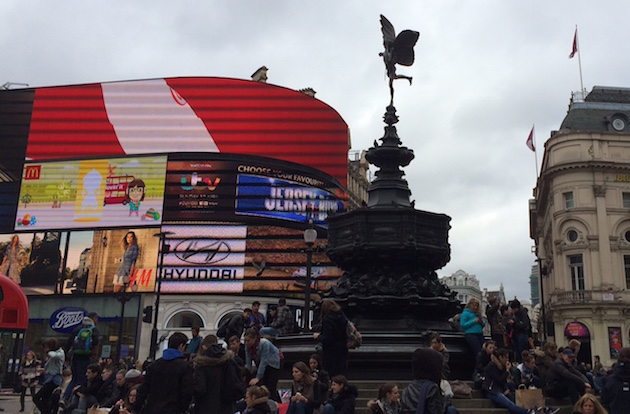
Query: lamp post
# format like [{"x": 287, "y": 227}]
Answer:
[
  {"x": 123, "y": 298},
  {"x": 164, "y": 249},
  {"x": 310, "y": 235}
]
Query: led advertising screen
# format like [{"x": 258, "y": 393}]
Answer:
[
  {"x": 200, "y": 114},
  {"x": 276, "y": 261},
  {"x": 204, "y": 258},
  {"x": 91, "y": 193},
  {"x": 249, "y": 189},
  {"x": 114, "y": 254}
]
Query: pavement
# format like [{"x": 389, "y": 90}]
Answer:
[{"x": 11, "y": 403}]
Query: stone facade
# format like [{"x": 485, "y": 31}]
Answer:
[{"x": 580, "y": 223}]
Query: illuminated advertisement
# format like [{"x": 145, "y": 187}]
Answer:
[
  {"x": 91, "y": 193},
  {"x": 109, "y": 256},
  {"x": 231, "y": 188},
  {"x": 171, "y": 115},
  {"x": 284, "y": 199},
  {"x": 276, "y": 261},
  {"x": 204, "y": 259}
]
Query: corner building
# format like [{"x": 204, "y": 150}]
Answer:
[{"x": 580, "y": 222}]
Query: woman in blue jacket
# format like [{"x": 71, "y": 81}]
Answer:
[{"x": 472, "y": 323}]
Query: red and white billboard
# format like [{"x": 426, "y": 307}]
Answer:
[{"x": 187, "y": 115}]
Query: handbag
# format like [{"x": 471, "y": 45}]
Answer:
[
  {"x": 461, "y": 389},
  {"x": 18, "y": 387},
  {"x": 530, "y": 398}
]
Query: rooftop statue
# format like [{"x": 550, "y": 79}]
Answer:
[{"x": 398, "y": 50}]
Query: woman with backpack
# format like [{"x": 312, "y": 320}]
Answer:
[{"x": 333, "y": 338}]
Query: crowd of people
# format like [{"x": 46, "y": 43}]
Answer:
[{"x": 202, "y": 375}]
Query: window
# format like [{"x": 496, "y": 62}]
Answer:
[
  {"x": 626, "y": 265},
  {"x": 568, "y": 200},
  {"x": 576, "y": 268},
  {"x": 572, "y": 235},
  {"x": 626, "y": 200}
]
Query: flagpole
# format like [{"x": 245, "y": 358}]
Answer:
[
  {"x": 579, "y": 53},
  {"x": 535, "y": 148}
]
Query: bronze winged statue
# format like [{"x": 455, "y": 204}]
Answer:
[{"x": 398, "y": 50}]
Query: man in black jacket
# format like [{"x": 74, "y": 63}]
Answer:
[
  {"x": 168, "y": 384},
  {"x": 218, "y": 381},
  {"x": 237, "y": 325},
  {"x": 85, "y": 395},
  {"x": 563, "y": 380},
  {"x": 616, "y": 389}
]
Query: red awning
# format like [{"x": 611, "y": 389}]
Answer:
[{"x": 13, "y": 307}]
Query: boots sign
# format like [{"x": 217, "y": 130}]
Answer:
[{"x": 64, "y": 320}]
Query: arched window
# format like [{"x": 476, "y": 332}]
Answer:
[{"x": 185, "y": 319}]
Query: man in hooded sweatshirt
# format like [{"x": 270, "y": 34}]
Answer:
[
  {"x": 168, "y": 384},
  {"x": 217, "y": 381}
]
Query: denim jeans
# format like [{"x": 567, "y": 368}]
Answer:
[
  {"x": 299, "y": 408},
  {"x": 328, "y": 409},
  {"x": 503, "y": 401}
]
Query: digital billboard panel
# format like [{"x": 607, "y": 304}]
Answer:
[
  {"x": 92, "y": 193},
  {"x": 204, "y": 258},
  {"x": 190, "y": 114},
  {"x": 248, "y": 189},
  {"x": 114, "y": 254}
]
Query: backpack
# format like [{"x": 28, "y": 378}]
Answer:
[
  {"x": 83, "y": 342},
  {"x": 354, "y": 337},
  {"x": 223, "y": 329}
]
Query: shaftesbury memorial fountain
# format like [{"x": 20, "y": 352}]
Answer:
[{"x": 389, "y": 252}]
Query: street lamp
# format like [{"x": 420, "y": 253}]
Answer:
[
  {"x": 164, "y": 249},
  {"x": 310, "y": 235},
  {"x": 123, "y": 298}
]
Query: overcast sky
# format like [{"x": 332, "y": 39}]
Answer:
[{"x": 485, "y": 72}]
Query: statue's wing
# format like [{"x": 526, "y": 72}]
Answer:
[
  {"x": 389, "y": 34},
  {"x": 403, "y": 47}
]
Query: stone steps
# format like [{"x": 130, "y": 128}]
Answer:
[{"x": 368, "y": 389}]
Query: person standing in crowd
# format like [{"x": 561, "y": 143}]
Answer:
[
  {"x": 267, "y": 359},
  {"x": 333, "y": 338},
  {"x": 168, "y": 385},
  {"x": 11, "y": 262},
  {"x": 128, "y": 263},
  {"x": 305, "y": 392},
  {"x": 256, "y": 319},
  {"x": 472, "y": 323},
  {"x": 495, "y": 319},
  {"x": 81, "y": 350},
  {"x": 51, "y": 377},
  {"x": 563, "y": 380},
  {"x": 521, "y": 329},
  {"x": 29, "y": 376},
  {"x": 237, "y": 324},
  {"x": 616, "y": 388},
  {"x": 193, "y": 345},
  {"x": 589, "y": 404},
  {"x": 426, "y": 368},
  {"x": 218, "y": 382},
  {"x": 388, "y": 401},
  {"x": 437, "y": 345},
  {"x": 284, "y": 323}
]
